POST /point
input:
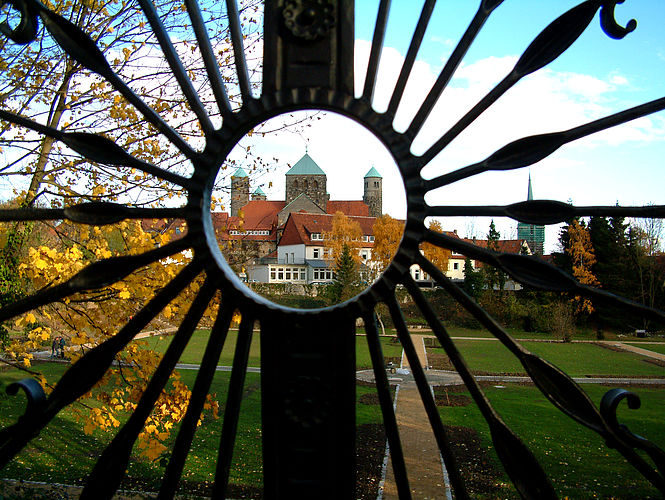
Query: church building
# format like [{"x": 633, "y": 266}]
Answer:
[{"x": 255, "y": 226}]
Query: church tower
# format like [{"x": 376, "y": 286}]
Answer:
[
  {"x": 533, "y": 234},
  {"x": 306, "y": 177},
  {"x": 259, "y": 195},
  {"x": 373, "y": 194},
  {"x": 239, "y": 191}
]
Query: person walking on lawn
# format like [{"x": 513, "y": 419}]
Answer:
[
  {"x": 62, "y": 347},
  {"x": 54, "y": 347}
]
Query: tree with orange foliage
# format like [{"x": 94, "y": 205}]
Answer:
[
  {"x": 344, "y": 232},
  {"x": 438, "y": 256},
  {"x": 387, "y": 236},
  {"x": 582, "y": 257}
]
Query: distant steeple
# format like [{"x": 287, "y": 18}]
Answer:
[{"x": 532, "y": 233}]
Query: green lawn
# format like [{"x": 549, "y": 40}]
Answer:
[
  {"x": 62, "y": 453},
  {"x": 580, "y": 334},
  {"x": 575, "y": 458},
  {"x": 389, "y": 345},
  {"x": 196, "y": 347},
  {"x": 576, "y": 359}
]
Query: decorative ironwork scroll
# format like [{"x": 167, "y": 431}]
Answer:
[{"x": 308, "y": 408}]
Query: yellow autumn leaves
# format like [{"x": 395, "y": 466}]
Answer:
[{"x": 90, "y": 318}]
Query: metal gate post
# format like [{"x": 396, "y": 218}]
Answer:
[{"x": 308, "y": 406}]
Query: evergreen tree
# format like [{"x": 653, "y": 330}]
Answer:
[
  {"x": 347, "y": 277},
  {"x": 604, "y": 247},
  {"x": 562, "y": 258},
  {"x": 494, "y": 278},
  {"x": 473, "y": 281}
]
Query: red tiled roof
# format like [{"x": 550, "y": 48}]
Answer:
[
  {"x": 348, "y": 207},
  {"x": 257, "y": 215},
  {"x": 505, "y": 246},
  {"x": 300, "y": 226},
  {"x": 261, "y": 214}
]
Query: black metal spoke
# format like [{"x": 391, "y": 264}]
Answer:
[
  {"x": 529, "y": 150},
  {"x": 386, "y": 403},
  {"x": 410, "y": 58},
  {"x": 483, "y": 13},
  {"x": 545, "y": 48},
  {"x": 543, "y": 212},
  {"x": 209, "y": 59},
  {"x": 440, "y": 434},
  {"x": 90, "y": 368},
  {"x": 200, "y": 390},
  {"x": 518, "y": 461},
  {"x": 97, "y": 148},
  {"x": 375, "y": 52},
  {"x": 95, "y": 213},
  {"x": 96, "y": 275},
  {"x": 232, "y": 406},
  {"x": 238, "y": 50},
  {"x": 176, "y": 66},
  {"x": 107, "y": 474}
]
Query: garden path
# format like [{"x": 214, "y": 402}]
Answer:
[{"x": 421, "y": 454}]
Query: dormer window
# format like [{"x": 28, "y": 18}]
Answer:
[{"x": 317, "y": 236}]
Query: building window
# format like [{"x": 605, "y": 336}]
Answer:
[
  {"x": 376, "y": 184},
  {"x": 315, "y": 253},
  {"x": 303, "y": 275},
  {"x": 456, "y": 265},
  {"x": 371, "y": 238},
  {"x": 273, "y": 274},
  {"x": 317, "y": 236},
  {"x": 364, "y": 255},
  {"x": 323, "y": 274},
  {"x": 280, "y": 273},
  {"x": 287, "y": 274}
]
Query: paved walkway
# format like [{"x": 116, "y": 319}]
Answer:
[
  {"x": 421, "y": 454},
  {"x": 638, "y": 350}
]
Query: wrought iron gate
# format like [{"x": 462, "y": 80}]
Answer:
[{"x": 308, "y": 403}]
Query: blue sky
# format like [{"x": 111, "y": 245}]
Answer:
[{"x": 597, "y": 76}]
